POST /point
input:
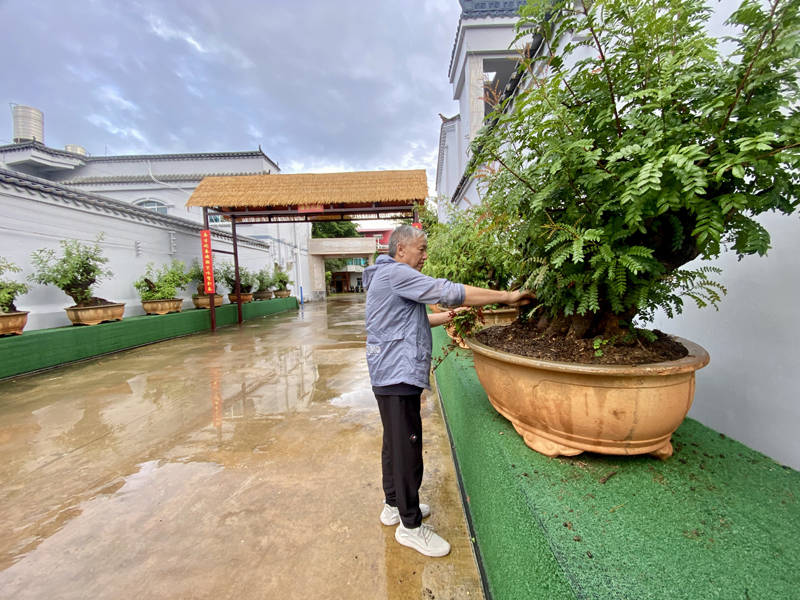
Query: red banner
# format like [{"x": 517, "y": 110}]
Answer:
[{"x": 208, "y": 263}]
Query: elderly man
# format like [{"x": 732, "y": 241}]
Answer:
[{"x": 399, "y": 345}]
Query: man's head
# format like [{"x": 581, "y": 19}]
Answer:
[{"x": 409, "y": 245}]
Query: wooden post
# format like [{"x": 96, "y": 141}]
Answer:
[{"x": 236, "y": 267}]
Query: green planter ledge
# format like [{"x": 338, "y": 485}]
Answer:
[
  {"x": 717, "y": 520},
  {"x": 45, "y": 348}
]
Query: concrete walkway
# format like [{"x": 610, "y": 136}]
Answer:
[{"x": 243, "y": 464}]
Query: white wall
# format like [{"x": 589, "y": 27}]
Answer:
[
  {"x": 30, "y": 220},
  {"x": 749, "y": 390}
]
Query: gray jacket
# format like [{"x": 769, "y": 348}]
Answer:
[{"x": 399, "y": 341}]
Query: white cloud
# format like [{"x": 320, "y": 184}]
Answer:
[
  {"x": 127, "y": 133},
  {"x": 111, "y": 96},
  {"x": 209, "y": 45}
]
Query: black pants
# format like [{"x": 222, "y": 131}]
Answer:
[{"x": 401, "y": 456}]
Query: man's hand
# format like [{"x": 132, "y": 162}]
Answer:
[
  {"x": 520, "y": 298},
  {"x": 445, "y": 317}
]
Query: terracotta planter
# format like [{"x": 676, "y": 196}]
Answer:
[
  {"x": 497, "y": 316},
  {"x": 234, "y": 298},
  {"x": 202, "y": 301},
  {"x": 263, "y": 295},
  {"x": 92, "y": 315},
  {"x": 13, "y": 323},
  {"x": 500, "y": 316},
  {"x": 162, "y": 307},
  {"x": 282, "y": 293},
  {"x": 568, "y": 408}
]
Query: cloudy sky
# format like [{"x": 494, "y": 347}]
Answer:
[{"x": 319, "y": 84}]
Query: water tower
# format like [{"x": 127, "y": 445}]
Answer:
[{"x": 28, "y": 124}]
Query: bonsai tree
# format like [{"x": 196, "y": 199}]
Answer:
[
  {"x": 634, "y": 148},
  {"x": 164, "y": 283},
  {"x": 467, "y": 250},
  {"x": 280, "y": 279},
  {"x": 263, "y": 280},
  {"x": 195, "y": 274},
  {"x": 9, "y": 289},
  {"x": 247, "y": 279},
  {"x": 75, "y": 272}
]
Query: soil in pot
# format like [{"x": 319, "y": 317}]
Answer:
[{"x": 525, "y": 339}]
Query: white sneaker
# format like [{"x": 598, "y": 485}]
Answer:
[
  {"x": 423, "y": 539},
  {"x": 390, "y": 515}
]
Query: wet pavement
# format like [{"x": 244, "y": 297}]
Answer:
[{"x": 244, "y": 464}]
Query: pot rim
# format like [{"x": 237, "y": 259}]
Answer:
[
  {"x": 695, "y": 360},
  {"x": 110, "y": 304},
  {"x": 16, "y": 312},
  {"x": 164, "y": 300}
]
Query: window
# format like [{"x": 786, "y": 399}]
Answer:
[{"x": 154, "y": 205}]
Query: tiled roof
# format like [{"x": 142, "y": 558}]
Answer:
[
  {"x": 138, "y": 157},
  {"x": 148, "y": 179},
  {"x": 109, "y": 205},
  {"x": 474, "y": 9}
]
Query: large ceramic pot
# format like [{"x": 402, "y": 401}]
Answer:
[
  {"x": 265, "y": 295},
  {"x": 500, "y": 316},
  {"x": 202, "y": 301},
  {"x": 12, "y": 323},
  {"x": 162, "y": 307},
  {"x": 282, "y": 293},
  {"x": 234, "y": 298},
  {"x": 568, "y": 408},
  {"x": 92, "y": 315}
]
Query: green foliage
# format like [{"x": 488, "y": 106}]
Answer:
[
  {"x": 9, "y": 289},
  {"x": 164, "y": 283},
  {"x": 78, "y": 268},
  {"x": 227, "y": 273},
  {"x": 280, "y": 279},
  {"x": 264, "y": 280},
  {"x": 650, "y": 151},
  {"x": 333, "y": 229},
  {"x": 195, "y": 274},
  {"x": 469, "y": 250},
  {"x": 334, "y": 265}
]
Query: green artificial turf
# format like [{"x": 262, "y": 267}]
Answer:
[
  {"x": 717, "y": 520},
  {"x": 45, "y": 348}
]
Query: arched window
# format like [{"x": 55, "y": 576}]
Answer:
[{"x": 153, "y": 204}]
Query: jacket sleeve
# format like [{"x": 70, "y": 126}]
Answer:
[{"x": 413, "y": 285}]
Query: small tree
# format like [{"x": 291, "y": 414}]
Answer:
[
  {"x": 75, "y": 272},
  {"x": 164, "y": 283},
  {"x": 281, "y": 279},
  {"x": 468, "y": 250},
  {"x": 195, "y": 274},
  {"x": 9, "y": 289},
  {"x": 635, "y": 148},
  {"x": 247, "y": 280},
  {"x": 264, "y": 280}
]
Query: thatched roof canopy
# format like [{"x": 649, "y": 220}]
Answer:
[{"x": 313, "y": 196}]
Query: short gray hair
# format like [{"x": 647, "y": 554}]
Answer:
[{"x": 403, "y": 235}]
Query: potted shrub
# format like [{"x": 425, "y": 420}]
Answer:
[
  {"x": 264, "y": 285},
  {"x": 246, "y": 282},
  {"x": 12, "y": 321},
  {"x": 630, "y": 149},
  {"x": 75, "y": 272},
  {"x": 158, "y": 289},
  {"x": 281, "y": 281},
  {"x": 200, "y": 299},
  {"x": 466, "y": 250}
]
